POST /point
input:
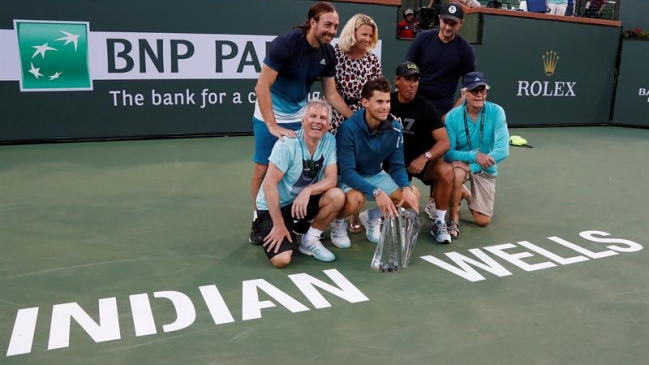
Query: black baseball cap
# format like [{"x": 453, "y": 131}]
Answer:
[
  {"x": 407, "y": 69},
  {"x": 452, "y": 11}
]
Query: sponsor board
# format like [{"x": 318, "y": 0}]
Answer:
[{"x": 125, "y": 55}]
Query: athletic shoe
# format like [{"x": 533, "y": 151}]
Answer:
[
  {"x": 430, "y": 209},
  {"x": 339, "y": 235},
  {"x": 372, "y": 227},
  {"x": 301, "y": 226},
  {"x": 315, "y": 248},
  {"x": 440, "y": 232},
  {"x": 255, "y": 236}
]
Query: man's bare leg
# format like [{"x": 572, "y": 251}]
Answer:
[{"x": 456, "y": 197}]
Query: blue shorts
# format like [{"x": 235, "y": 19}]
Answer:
[
  {"x": 382, "y": 180},
  {"x": 264, "y": 141}
]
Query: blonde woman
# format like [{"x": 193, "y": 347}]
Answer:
[{"x": 356, "y": 62}]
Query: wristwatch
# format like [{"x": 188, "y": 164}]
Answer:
[
  {"x": 376, "y": 192},
  {"x": 428, "y": 155}
]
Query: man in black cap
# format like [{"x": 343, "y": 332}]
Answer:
[
  {"x": 444, "y": 57},
  {"x": 478, "y": 139},
  {"x": 425, "y": 141}
]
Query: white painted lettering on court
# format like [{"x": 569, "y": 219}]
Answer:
[
  {"x": 252, "y": 306},
  {"x": 22, "y": 336},
  {"x": 581, "y": 250},
  {"x": 346, "y": 290},
  {"x": 62, "y": 315},
  {"x": 552, "y": 256},
  {"x": 185, "y": 311},
  {"x": 516, "y": 258},
  {"x": 464, "y": 266},
  {"x": 631, "y": 246},
  {"x": 107, "y": 327},
  {"x": 465, "y": 270},
  {"x": 143, "y": 321},
  {"x": 216, "y": 305}
]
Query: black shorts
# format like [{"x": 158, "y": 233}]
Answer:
[
  {"x": 420, "y": 175},
  {"x": 266, "y": 224}
]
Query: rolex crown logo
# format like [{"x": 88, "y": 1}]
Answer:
[{"x": 550, "y": 60}]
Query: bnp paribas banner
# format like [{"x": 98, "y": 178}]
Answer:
[
  {"x": 161, "y": 71},
  {"x": 121, "y": 84},
  {"x": 632, "y": 97}
]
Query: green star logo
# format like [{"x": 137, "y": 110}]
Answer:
[{"x": 53, "y": 55}]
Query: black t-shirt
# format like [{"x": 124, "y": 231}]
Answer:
[
  {"x": 442, "y": 65},
  {"x": 419, "y": 118}
]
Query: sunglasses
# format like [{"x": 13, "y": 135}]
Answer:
[
  {"x": 479, "y": 90},
  {"x": 313, "y": 171}
]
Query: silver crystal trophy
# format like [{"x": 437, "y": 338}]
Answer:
[
  {"x": 410, "y": 224},
  {"x": 397, "y": 242}
]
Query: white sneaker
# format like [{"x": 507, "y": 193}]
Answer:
[
  {"x": 430, "y": 209},
  {"x": 372, "y": 227},
  {"x": 339, "y": 235},
  {"x": 440, "y": 232},
  {"x": 315, "y": 248}
]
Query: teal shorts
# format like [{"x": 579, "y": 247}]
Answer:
[{"x": 382, "y": 180}]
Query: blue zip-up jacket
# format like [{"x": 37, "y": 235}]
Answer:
[
  {"x": 495, "y": 136},
  {"x": 361, "y": 153}
]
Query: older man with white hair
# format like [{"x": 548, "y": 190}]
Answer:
[{"x": 479, "y": 140}]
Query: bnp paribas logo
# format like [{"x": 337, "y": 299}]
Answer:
[{"x": 53, "y": 55}]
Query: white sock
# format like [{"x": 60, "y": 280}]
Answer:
[
  {"x": 312, "y": 234},
  {"x": 440, "y": 215},
  {"x": 338, "y": 221}
]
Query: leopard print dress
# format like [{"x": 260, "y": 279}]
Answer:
[{"x": 351, "y": 75}]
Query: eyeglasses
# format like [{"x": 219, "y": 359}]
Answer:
[{"x": 479, "y": 90}]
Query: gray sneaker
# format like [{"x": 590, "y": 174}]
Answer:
[{"x": 440, "y": 232}]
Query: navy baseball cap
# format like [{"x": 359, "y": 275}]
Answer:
[
  {"x": 473, "y": 80},
  {"x": 452, "y": 11}
]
